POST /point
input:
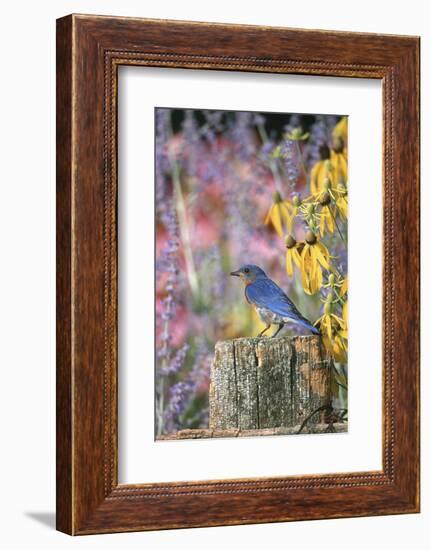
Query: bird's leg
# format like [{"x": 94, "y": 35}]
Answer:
[
  {"x": 280, "y": 326},
  {"x": 263, "y": 331}
]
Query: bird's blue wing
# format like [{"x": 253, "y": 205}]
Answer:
[{"x": 265, "y": 293}]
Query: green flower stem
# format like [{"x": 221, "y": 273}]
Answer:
[
  {"x": 336, "y": 225},
  {"x": 335, "y": 378},
  {"x": 338, "y": 296}
]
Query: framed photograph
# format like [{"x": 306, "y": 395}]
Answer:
[{"x": 237, "y": 274}]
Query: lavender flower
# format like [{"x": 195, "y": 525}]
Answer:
[
  {"x": 290, "y": 153},
  {"x": 177, "y": 362},
  {"x": 200, "y": 373},
  {"x": 213, "y": 125},
  {"x": 167, "y": 264},
  {"x": 179, "y": 395},
  {"x": 162, "y": 119},
  {"x": 242, "y": 135}
]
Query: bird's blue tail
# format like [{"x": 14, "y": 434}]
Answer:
[{"x": 306, "y": 324}]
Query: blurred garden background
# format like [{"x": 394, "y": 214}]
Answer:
[{"x": 235, "y": 188}]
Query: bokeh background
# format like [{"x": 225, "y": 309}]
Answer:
[{"x": 217, "y": 173}]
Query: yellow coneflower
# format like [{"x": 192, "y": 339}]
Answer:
[
  {"x": 326, "y": 215},
  {"x": 338, "y": 168},
  {"x": 314, "y": 256},
  {"x": 329, "y": 322},
  {"x": 325, "y": 193},
  {"x": 279, "y": 211},
  {"x": 340, "y": 135},
  {"x": 292, "y": 254},
  {"x": 330, "y": 170},
  {"x": 334, "y": 331},
  {"x": 320, "y": 173}
]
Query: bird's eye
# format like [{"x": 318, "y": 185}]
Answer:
[{"x": 246, "y": 270}]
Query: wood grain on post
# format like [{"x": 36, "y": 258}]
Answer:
[{"x": 261, "y": 383}]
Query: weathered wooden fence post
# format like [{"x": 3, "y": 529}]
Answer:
[{"x": 267, "y": 383}]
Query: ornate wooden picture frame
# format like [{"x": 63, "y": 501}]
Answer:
[{"x": 89, "y": 51}]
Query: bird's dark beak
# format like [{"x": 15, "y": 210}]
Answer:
[{"x": 235, "y": 273}]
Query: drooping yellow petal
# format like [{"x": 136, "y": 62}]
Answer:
[
  {"x": 345, "y": 314},
  {"x": 317, "y": 177},
  {"x": 338, "y": 319},
  {"x": 322, "y": 222},
  {"x": 274, "y": 217},
  {"x": 339, "y": 165},
  {"x": 304, "y": 268},
  {"x": 342, "y": 206},
  {"x": 316, "y": 272},
  {"x": 330, "y": 220},
  {"x": 317, "y": 321},
  {"x": 322, "y": 254},
  {"x": 311, "y": 272},
  {"x": 340, "y": 130},
  {"x": 313, "y": 261},
  {"x": 296, "y": 258},
  {"x": 307, "y": 270},
  {"x": 339, "y": 350},
  {"x": 268, "y": 217},
  {"x": 292, "y": 255},
  {"x": 284, "y": 211},
  {"x": 326, "y": 220},
  {"x": 318, "y": 279},
  {"x": 327, "y": 343},
  {"x": 328, "y": 325}
]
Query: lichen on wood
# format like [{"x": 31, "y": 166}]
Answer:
[{"x": 259, "y": 383}]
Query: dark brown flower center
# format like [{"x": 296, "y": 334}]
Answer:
[
  {"x": 277, "y": 197},
  {"x": 325, "y": 152},
  {"x": 325, "y": 199},
  {"x": 310, "y": 237},
  {"x": 290, "y": 241}
]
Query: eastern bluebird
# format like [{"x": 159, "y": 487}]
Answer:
[{"x": 270, "y": 302}]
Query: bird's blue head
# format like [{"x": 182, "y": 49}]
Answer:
[{"x": 249, "y": 273}]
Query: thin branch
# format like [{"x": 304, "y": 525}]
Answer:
[{"x": 321, "y": 408}]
